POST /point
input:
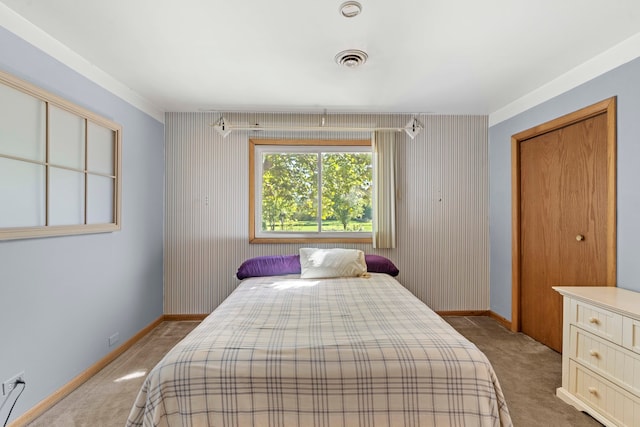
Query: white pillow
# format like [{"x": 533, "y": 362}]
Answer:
[{"x": 323, "y": 263}]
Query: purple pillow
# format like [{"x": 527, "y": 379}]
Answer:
[
  {"x": 277, "y": 265},
  {"x": 271, "y": 265},
  {"x": 380, "y": 264}
]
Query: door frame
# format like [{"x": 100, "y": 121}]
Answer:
[{"x": 608, "y": 107}]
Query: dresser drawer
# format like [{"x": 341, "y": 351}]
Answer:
[
  {"x": 610, "y": 360},
  {"x": 607, "y": 398},
  {"x": 597, "y": 320}
]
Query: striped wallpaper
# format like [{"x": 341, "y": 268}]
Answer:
[{"x": 442, "y": 209}]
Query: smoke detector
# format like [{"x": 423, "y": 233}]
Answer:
[
  {"x": 351, "y": 58},
  {"x": 350, "y": 9}
]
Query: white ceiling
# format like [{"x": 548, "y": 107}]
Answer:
[{"x": 438, "y": 56}]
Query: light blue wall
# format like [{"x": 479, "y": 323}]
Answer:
[
  {"x": 623, "y": 82},
  {"x": 62, "y": 297}
]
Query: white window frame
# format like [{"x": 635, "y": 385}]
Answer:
[{"x": 259, "y": 147}]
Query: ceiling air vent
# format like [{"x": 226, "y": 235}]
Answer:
[{"x": 351, "y": 58}]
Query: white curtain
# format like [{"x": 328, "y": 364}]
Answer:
[{"x": 384, "y": 189}]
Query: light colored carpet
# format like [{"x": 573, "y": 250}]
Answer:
[
  {"x": 528, "y": 372},
  {"x": 106, "y": 399}
]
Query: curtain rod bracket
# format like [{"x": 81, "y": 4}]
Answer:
[
  {"x": 413, "y": 128},
  {"x": 222, "y": 127}
]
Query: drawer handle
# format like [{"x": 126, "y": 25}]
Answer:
[
  {"x": 594, "y": 320},
  {"x": 593, "y": 391},
  {"x": 594, "y": 353}
]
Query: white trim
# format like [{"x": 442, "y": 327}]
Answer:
[
  {"x": 619, "y": 54},
  {"x": 24, "y": 29}
]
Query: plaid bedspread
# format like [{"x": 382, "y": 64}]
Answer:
[{"x": 284, "y": 351}]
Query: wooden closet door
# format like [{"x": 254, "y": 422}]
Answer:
[{"x": 563, "y": 221}]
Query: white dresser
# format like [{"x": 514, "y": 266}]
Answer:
[{"x": 601, "y": 353}]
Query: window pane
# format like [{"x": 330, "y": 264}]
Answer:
[
  {"x": 289, "y": 192},
  {"x": 22, "y": 125},
  {"x": 346, "y": 192},
  {"x": 22, "y": 194},
  {"x": 100, "y": 191},
  {"x": 100, "y": 149},
  {"x": 66, "y": 139},
  {"x": 66, "y": 197}
]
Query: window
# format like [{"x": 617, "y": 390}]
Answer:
[
  {"x": 310, "y": 191},
  {"x": 59, "y": 165}
]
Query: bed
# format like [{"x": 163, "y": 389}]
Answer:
[{"x": 289, "y": 350}]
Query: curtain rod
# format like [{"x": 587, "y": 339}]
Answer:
[{"x": 224, "y": 128}]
